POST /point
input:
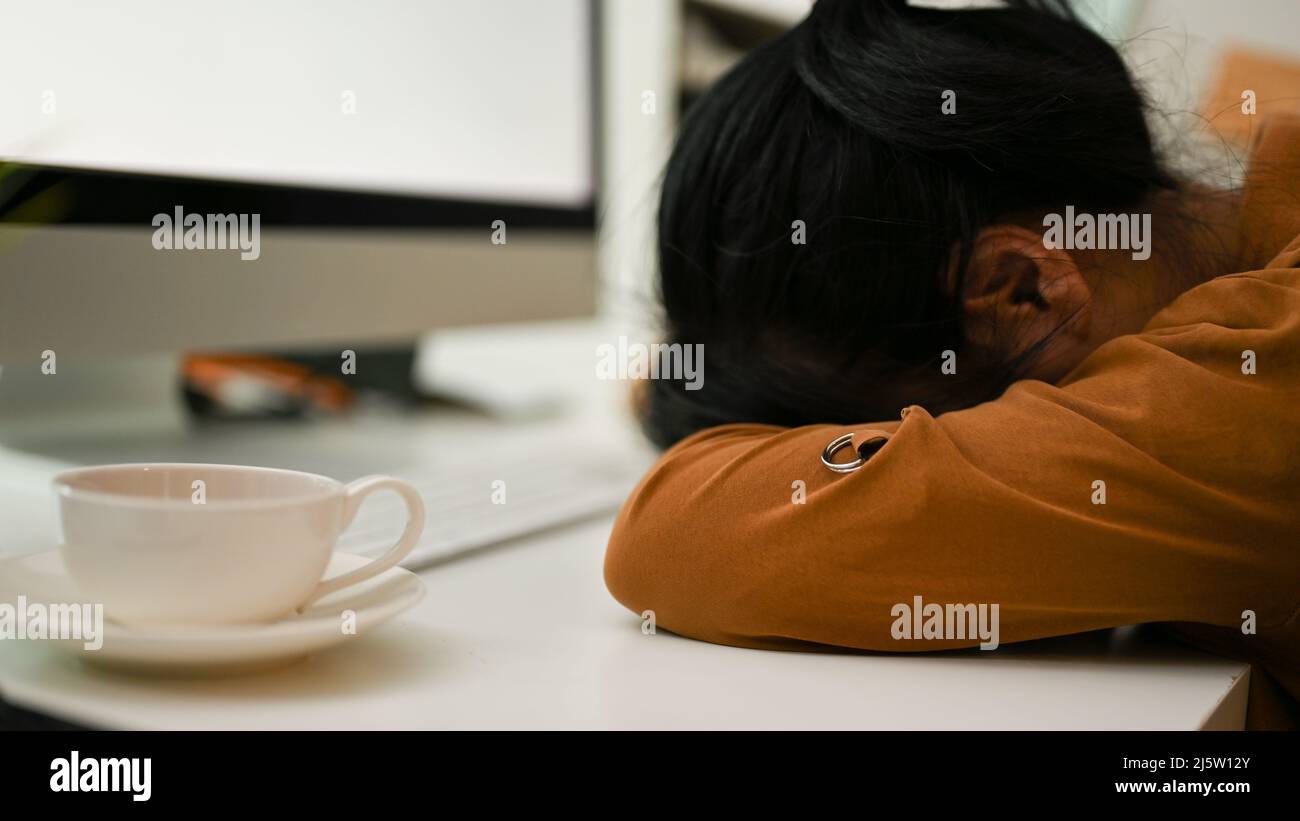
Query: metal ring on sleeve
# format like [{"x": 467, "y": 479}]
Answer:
[
  {"x": 846, "y": 441},
  {"x": 837, "y": 444}
]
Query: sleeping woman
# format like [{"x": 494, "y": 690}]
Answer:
[{"x": 1067, "y": 382}]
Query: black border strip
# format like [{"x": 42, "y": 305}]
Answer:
[{"x": 113, "y": 198}]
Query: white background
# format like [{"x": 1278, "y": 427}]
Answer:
[{"x": 489, "y": 99}]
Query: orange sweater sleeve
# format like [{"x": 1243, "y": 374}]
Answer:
[{"x": 998, "y": 504}]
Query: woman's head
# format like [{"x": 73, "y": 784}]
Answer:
[{"x": 866, "y": 192}]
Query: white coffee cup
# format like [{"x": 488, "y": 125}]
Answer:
[{"x": 213, "y": 544}]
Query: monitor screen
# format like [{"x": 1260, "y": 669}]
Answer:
[{"x": 488, "y": 100}]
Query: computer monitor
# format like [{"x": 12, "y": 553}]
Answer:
[{"x": 411, "y": 166}]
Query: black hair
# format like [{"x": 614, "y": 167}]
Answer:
[{"x": 839, "y": 123}]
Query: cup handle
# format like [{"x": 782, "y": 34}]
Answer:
[{"x": 354, "y": 494}]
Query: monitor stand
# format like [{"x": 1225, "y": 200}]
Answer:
[{"x": 98, "y": 399}]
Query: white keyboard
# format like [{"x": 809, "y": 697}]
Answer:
[{"x": 502, "y": 496}]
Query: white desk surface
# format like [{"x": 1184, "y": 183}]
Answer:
[{"x": 526, "y": 636}]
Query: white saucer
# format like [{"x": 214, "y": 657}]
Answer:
[{"x": 218, "y": 649}]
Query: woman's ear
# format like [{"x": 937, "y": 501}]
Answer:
[{"x": 1019, "y": 295}]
